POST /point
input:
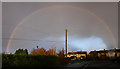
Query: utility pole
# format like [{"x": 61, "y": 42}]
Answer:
[
  {"x": 66, "y": 41},
  {"x": 37, "y": 49}
]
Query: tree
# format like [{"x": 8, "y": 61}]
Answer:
[
  {"x": 61, "y": 53},
  {"x": 41, "y": 51},
  {"x": 26, "y": 51},
  {"x": 21, "y": 52},
  {"x": 34, "y": 52}
]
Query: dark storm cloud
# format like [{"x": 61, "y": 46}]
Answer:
[{"x": 81, "y": 25}]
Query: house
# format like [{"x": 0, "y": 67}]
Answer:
[
  {"x": 113, "y": 53},
  {"x": 93, "y": 54},
  {"x": 98, "y": 54},
  {"x": 78, "y": 54},
  {"x": 118, "y": 52},
  {"x": 103, "y": 54}
]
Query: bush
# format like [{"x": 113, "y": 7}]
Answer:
[{"x": 12, "y": 60}]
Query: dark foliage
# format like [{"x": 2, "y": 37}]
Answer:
[
  {"x": 13, "y": 60},
  {"x": 21, "y": 52}
]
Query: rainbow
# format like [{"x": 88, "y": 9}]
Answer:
[{"x": 60, "y": 6}]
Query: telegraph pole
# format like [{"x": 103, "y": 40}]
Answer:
[{"x": 66, "y": 41}]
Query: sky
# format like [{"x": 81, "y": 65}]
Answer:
[{"x": 91, "y": 25}]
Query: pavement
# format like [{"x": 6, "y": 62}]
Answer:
[
  {"x": 103, "y": 65},
  {"x": 92, "y": 65}
]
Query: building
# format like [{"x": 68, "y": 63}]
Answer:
[
  {"x": 78, "y": 54},
  {"x": 113, "y": 53},
  {"x": 98, "y": 54},
  {"x": 93, "y": 54},
  {"x": 103, "y": 54},
  {"x": 118, "y": 52}
]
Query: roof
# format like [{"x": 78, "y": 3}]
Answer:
[
  {"x": 93, "y": 52},
  {"x": 105, "y": 51},
  {"x": 78, "y": 52},
  {"x": 114, "y": 50},
  {"x": 118, "y": 50},
  {"x": 101, "y": 51}
]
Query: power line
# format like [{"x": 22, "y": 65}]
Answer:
[{"x": 31, "y": 40}]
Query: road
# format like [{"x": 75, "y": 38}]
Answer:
[
  {"x": 102, "y": 65},
  {"x": 93, "y": 65}
]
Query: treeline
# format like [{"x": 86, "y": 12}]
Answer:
[
  {"x": 43, "y": 51},
  {"x": 37, "y": 58},
  {"x": 12, "y": 60}
]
